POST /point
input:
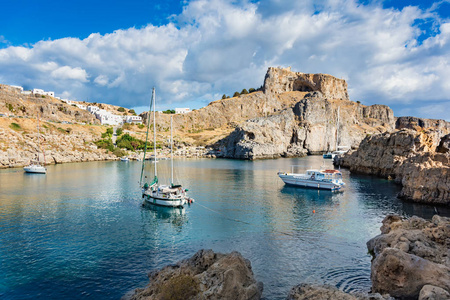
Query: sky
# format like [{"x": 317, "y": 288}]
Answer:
[{"x": 391, "y": 52}]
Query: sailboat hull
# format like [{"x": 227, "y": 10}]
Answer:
[
  {"x": 148, "y": 199},
  {"x": 35, "y": 169}
]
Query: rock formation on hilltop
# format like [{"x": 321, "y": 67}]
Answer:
[
  {"x": 311, "y": 126},
  {"x": 411, "y": 258},
  {"x": 206, "y": 275},
  {"x": 419, "y": 160}
]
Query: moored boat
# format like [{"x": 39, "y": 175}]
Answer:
[
  {"x": 320, "y": 179},
  {"x": 36, "y": 167}
]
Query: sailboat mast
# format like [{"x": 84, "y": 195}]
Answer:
[
  {"x": 39, "y": 139},
  {"x": 171, "y": 150},
  {"x": 154, "y": 129},
  {"x": 146, "y": 138},
  {"x": 337, "y": 129}
]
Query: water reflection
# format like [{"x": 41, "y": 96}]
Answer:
[{"x": 171, "y": 215}]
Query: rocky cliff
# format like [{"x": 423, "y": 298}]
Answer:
[
  {"x": 419, "y": 160},
  {"x": 411, "y": 258},
  {"x": 313, "y": 125}
]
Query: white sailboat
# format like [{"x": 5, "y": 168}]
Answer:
[
  {"x": 35, "y": 166},
  {"x": 171, "y": 195},
  {"x": 339, "y": 149}
]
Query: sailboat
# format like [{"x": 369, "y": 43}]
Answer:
[
  {"x": 36, "y": 167},
  {"x": 171, "y": 195},
  {"x": 339, "y": 149}
]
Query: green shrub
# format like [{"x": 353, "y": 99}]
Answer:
[
  {"x": 180, "y": 287},
  {"x": 224, "y": 96},
  {"x": 15, "y": 126},
  {"x": 119, "y": 131},
  {"x": 169, "y": 111},
  {"x": 140, "y": 126},
  {"x": 244, "y": 92},
  {"x": 121, "y": 109},
  {"x": 119, "y": 152},
  {"x": 105, "y": 144},
  {"x": 42, "y": 96},
  {"x": 131, "y": 111},
  {"x": 236, "y": 94},
  {"x": 251, "y": 90},
  {"x": 10, "y": 107}
]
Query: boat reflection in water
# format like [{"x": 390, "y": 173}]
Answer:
[{"x": 175, "y": 216}]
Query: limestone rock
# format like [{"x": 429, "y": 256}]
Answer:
[
  {"x": 429, "y": 292},
  {"x": 206, "y": 275},
  {"x": 310, "y": 127},
  {"x": 444, "y": 144},
  {"x": 409, "y": 157},
  {"x": 410, "y": 254},
  {"x": 421, "y": 124}
]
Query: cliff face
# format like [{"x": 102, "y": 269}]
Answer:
[
  {"x": 419, "y": 160},
  {"x": 310, "y": 127},
  {"x": 279, "y": 80},
  {"x": 420, "y": 124}
]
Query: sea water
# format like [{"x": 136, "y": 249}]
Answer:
[{"x": 80, "y": 231}]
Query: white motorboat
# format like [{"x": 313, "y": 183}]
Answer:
[
  {"x": 320, "y": 179},
  {"x": 36, "y": 167},
  {"x": 171, "y": 195},
  {"x": 124, "y": 158}
]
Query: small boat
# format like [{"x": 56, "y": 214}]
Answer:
[
  {"x": 170, "y": 195},
  {"x": 320, "y": 179},
  {"x": 36, "y": 167},
  {"x": 340, "y": 150},
  {"x": 124, "y": 158},
  {"x": 328, "y": 155}
]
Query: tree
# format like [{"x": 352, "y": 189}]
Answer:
[
  {"x": 131, "y": 111},
  {"x": 251, "y": 90},
  {"x": 110, "y": 130},
  {"x": 119, "y": 131},
  {"x": 169, "y": 111},
  {"x": 224, "y": 96},
  {"x": 236, "y": 94},
  {"x": 121, "y": 109},
  {"x": 244, "y": 92}
]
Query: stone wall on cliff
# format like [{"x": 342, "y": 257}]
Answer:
[
  {"x": 310, "y": 127},
  {"x": 281, "y": 80},
  {"x": 416, "y": 159}
]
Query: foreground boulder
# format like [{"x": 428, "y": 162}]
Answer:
[
  {"x": 206, "y": 275},
  {"x": 326, "y": 292},
  {"x": 409, "y": 255},
  {"x": 419, "y": 160}
]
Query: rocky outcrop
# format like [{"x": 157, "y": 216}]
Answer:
[
  {"x": 310, "y": 127},
  {"x": 421, "y": 124},
  {"x": 281, "y": 80},
  {"x": 206, "y": 275},
  {"x": 410, "y": 256},
  {"x": 409, "y": 157},
  {"x": 326, "y": 292}
]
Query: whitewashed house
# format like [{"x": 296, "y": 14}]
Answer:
[
  {"x": 92, "y": 109},
  {"x": 51, "y": 94},
  {"x": 38, "y": 92},
  {"x": 107, "y": 118},
  {"x": 132, "y": 119},
  {"x": 182, "y": 110},
  {"x": 81, "y": 106},
  {"x": 18, "y": 88}
]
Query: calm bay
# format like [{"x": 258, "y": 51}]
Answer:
[{"x": 81, "y": 232}]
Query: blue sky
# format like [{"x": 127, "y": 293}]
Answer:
[{"x": 390, "y": 52}]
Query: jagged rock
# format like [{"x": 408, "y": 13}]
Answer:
[
  {"x": 410, "y": 254},
  {"x": 326, "y": 292},
  {"x": 206, "y": 275},
  {"x": 444, "y": 144},
  {"x": 429, "y": 292},
  {"x": 281, "y": 80},
  {"x": 310, "y": 127},
  {"x": 420, "y": 124},
  {"x": 409, "y": 157}
]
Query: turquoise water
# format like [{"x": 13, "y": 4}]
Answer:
[{"x": 80, "y": 231}]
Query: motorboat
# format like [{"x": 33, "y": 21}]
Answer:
[{"x": 320, "y": 179}]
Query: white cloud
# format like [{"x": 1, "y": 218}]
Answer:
[{"x": 221, "y": 46}]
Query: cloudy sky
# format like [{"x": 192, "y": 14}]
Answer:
[{"x": 392, "y": 52}]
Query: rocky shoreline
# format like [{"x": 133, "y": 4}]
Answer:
[
  {"x": 411, "y": 260},
  {"x": 419, "y": 160}
]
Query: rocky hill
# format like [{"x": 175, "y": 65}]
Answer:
[{"x": 321, "y": 118}]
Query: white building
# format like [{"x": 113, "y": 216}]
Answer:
[
  {"x": 107, "y": 118},
  {"x": 92, "y": 109},
  {"x": 17, "y": 87},
  {"x": 38, "y": 92},
  {"x": 132, "y": 119},
  {"x": 26, "y": 92},
  {"x": 182, "y": 110},
  {"x": 51, "y": 94},
  {"x": 81, "y": 106}
]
